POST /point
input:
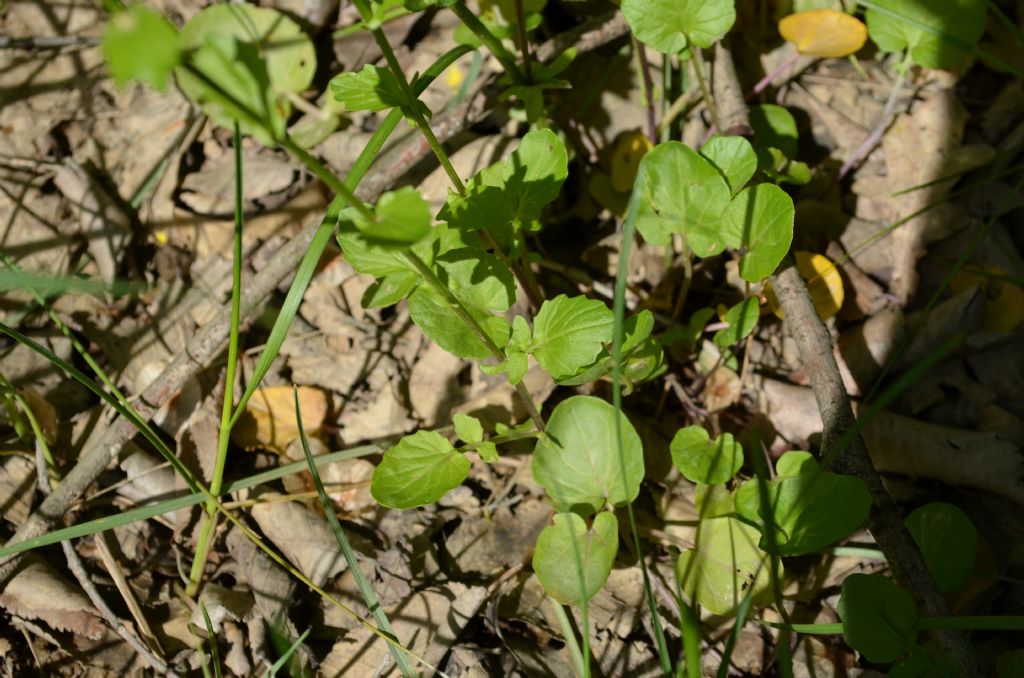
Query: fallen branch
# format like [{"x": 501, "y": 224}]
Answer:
[{"x": 886, "y": 519}]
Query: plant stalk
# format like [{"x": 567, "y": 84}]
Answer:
[
  {"x": 431, "y": 279},
  {"x": 473, "y": 23},
  {"x": 524, "y": 41},
  {"x": 224, "y": 433},
  {"x": 698, "y": 68}
]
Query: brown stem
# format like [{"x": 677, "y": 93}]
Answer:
[{"x": 886, "y": 519}]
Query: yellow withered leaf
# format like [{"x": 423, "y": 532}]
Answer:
[
  {"x": 824, "y": 283},
  {"x": 1004, "y": 300},
  {"x": 824, "y": 32},
  {"x": 269, "y": 423},
  {"x": 626, "y": 156}
]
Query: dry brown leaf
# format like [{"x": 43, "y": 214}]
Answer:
[
  {"x": 269, "y": 421},
  {"x": 427, "y": 622},
  {"x": 722, "y": 389},
  {"x": 17, "y": 485},
  {"x": 221, "y": 604},
  {"x": 303, "y": 536},
  {"x": 37, "y": 591}
]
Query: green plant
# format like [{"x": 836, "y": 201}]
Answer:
[{"x": 462, "y": 270}]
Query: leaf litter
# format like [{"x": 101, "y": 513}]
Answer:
[{"x": 456, "y": 576}]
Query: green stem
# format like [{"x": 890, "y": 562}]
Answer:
[
  {"x": 460, "y": 310},
  {"x": 698, "y": 68},
  {"x": 473, "y": 23},
  {"x": 224, "y": 434},
  {"x": 524, "y": 41},
  {"x": 326, "y": 176},
  {"x": 569, "y": 635}
]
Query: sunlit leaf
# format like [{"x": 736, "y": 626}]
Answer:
[
  {"x": 723, "y": 565},
  {"x": 759, "y": 222},
  {"x": 670, "y": 25},
  {"x": 824, "y": 32},
  {"x": 824, "y": 283},
  {"x": 140, "y": 44},
  {"x": 938, "y": 33},
  {"x": 567, "y": 542},
  {"x": 577, "y": 458},
  {"x": 419, "y": 470}
]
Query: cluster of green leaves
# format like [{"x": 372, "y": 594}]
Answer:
[
  {"x": 802, "y": 510},
  {"x": 879, "y": 618},
  {"x": 702, "y": 198},
  {"x": 238, "y": 62}
]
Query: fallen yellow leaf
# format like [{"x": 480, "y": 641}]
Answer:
[
  {"x": 824, "y": 32},
  {"x": 1004, "y": 300},
  {"x": 269, "y": 421},
  {"x": 626, "y": 156},
  {"x": 824, "y": 283}
]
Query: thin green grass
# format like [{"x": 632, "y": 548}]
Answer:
[
  {"x": 286, "y": 655},
  {"x": 619, "y": 312},
  {"x": 224, "y": 433},
  {"x": 369, "y": 597}
]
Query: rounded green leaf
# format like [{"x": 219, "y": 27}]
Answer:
[
  {"x": 734, "y": 157},
  {"x": 256, "y": 56},
  {"x": 402, "y": 219},
  {"x": 742, "y": 319},
  {"x": 669, "y": 25},
  {"x": 759, "y": 220},
  {"x": 417, "y": 471},
  {"x": 577, "y": 458},
  {"x": 723, "y": 565},
  {"x": 938, "y": 33},
  {"x": 879, "y": 619},
  {"x": 569, "y": 333},
  {"x": 141, "y": 44},
  {"x": 468, "y": 428},
  {"x": 702, "y": 460},
  {"x": 947, "y": 539},
  {"x": 681, "y": 192},
  {"x": 795, "y": 462},
  {"x": 811, "y": 510},
  {"x": 572, "y": 562}
]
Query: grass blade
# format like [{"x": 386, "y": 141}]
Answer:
[
  {"x": 369, "y": 597},
  {"x": 174, "y": 503},
  {"x": 619, "y": 310}
]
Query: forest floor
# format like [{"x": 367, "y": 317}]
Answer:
[{"x": 133, "y": 188}]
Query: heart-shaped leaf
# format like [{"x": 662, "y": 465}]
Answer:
[
  {"x": 572, "y": 562},
  {"x": 706, "y": 461},
  {"x": 577, "y": 458},
  {"x": 734, "y": 157},
  {"x": 723, "y": 565},
  {"x": 759, "y": 222}
]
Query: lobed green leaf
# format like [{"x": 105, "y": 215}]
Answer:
[{"x": 419, "y": 470}]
